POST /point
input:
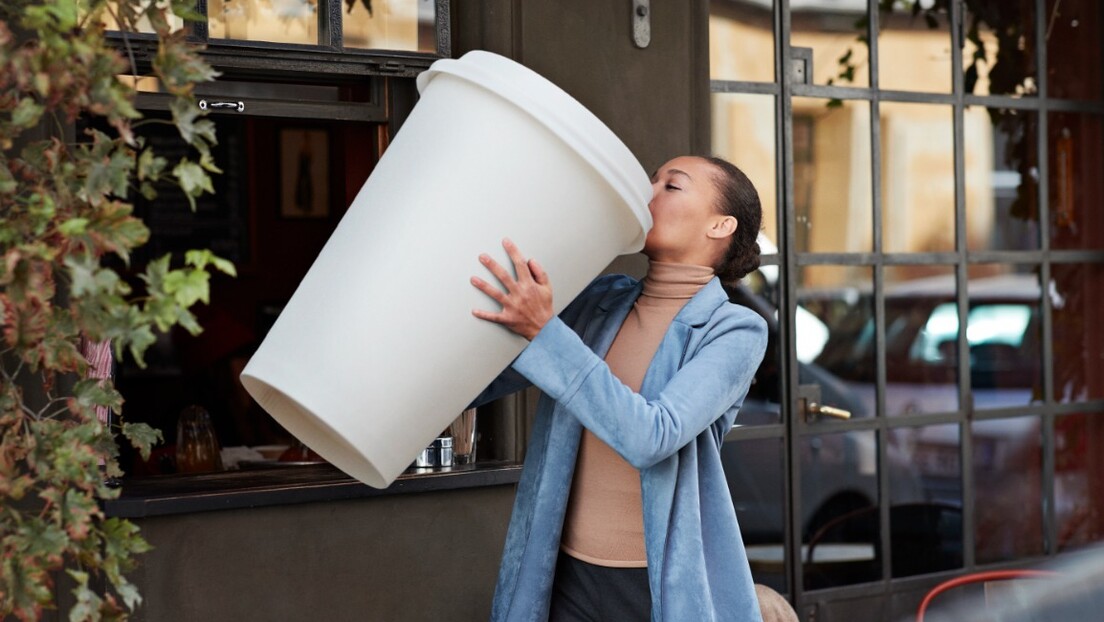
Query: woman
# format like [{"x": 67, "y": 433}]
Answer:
[{"x": 623, "y": 511}]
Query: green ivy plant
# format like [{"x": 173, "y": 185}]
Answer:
[{"x": 66, "y": 236}]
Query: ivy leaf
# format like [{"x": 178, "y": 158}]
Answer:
[
  {"x": 188, "y": 287},
  {"x": 27, "y": 113},
  {"x": 179, "y": 67},
  {"x": 8, "y": 184},
  {"x": 194, "y": 129},
  {"x": 88, "y": 602},
  {"x": 200, "y": 258},
  {"x": 92, "y": 392},
  {"x": 142, "y": 437},
  {"x": 185, "y": 9},
  {"x": 140, "y": 339},
  {"x": 193, "y": 180},
  {"x": 73, "y": 227}
]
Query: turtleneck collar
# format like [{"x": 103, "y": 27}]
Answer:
[{"x": 674, "y": 280}]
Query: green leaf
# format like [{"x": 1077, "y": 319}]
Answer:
[
  {"x": 92, "y": 392},
  {"x": 200, "y": 258},
  {"x": 188, "y": 287},
  {"x": 8, "y": 184},
  {"x": 140, "y": 339},
  {"x": 195, "y": 130},
  {"x": 27, "y": 113},
  {"x": 142, "y": 437},
  {"x": 193, "y": 179},
  {"x": 73, "y": 227}
]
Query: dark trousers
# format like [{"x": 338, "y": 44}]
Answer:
[{"x": 583, "y": 592}]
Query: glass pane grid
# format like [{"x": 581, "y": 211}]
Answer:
[{"x": 1021, "y": 233}]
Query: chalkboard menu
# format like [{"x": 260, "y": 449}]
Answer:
[{"x": 220, "y": 221}]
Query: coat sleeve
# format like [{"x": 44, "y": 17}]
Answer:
[
  {"x": 643, "y": 431},
  {"x": 510, "y": 380}
]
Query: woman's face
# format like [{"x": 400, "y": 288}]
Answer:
[{"x": 683, "y": 207}]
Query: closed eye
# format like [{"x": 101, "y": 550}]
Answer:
[{"x": 673, "y": 187}]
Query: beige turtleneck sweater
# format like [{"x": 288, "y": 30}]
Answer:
[{"x": 604, "y": 524}]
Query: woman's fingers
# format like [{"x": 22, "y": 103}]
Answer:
[
  {"x": 498, "y": 271},
  {"x": 521, "y": 268},
  {"x": 526, "y": 303},
  {"x": 539, "y": 275},
  {"x": 492, "y": 291}
]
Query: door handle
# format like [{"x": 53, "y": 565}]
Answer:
[
  {"x": 809, "y": 395},
  {"x": 814, "y": 410}
]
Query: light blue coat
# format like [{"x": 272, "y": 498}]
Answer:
[{"x": 672, "y": 431}]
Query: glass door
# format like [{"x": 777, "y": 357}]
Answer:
[{"x": 931, "y": 226}]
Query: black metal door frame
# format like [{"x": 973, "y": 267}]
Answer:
[{"x": 788, "y": 84}]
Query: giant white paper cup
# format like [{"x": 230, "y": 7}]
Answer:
[{"x": 377, "y": 351}]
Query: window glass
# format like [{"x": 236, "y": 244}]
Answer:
[
  {"x": 1079, "y": 479},
  {"x": 1076, "y": 198},
  {"x": 391, "y": 24},
  {"x": 925, "y": 516},
  {"x": 1076, "y": 300},
  {"x": 836, "y": 34},
  {"x": 832, "y": 176},
  {"x": 744, "y": 134},
  {"x": 276, "y": 21},
  {"x": 921, "y": 316},
  {"x": 916, "y": 35},
  {"x": 741, "y": 40},
  {"x": 839, "y": 497},
  {"x": 754, "y": 470},
  {"x": 1073, "y": 34},
  {"x": 835, "y": 336},
  {"x": 1003, "y": 330},
  {"x": 1002, "y": 179},
  {"x": 918, "y": 189},
  {"x": 763, "y": 404},
  {"x": 999, "y": 56},
  {"x": 143, "y": 25},
  {"x": 1008, "y": 505}
]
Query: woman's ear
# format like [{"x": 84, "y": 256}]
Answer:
[{"x": 723, "y": 227}]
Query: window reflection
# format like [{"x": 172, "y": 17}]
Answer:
[
  {"x": 1003, "y": 332},
  {"x": 918, "y": 193},
  {"x": 1076, "y": 185},
  {"x": 999, "y": 56},
  {"x": 143, "y": 25},
  {"x": 1079, "y": 479},
  {"x": 1008, "y": 503},
  {"x": 391, "y": 24},
  {"x": 277, "y": 21},
  {"x": 926, "y": 499},
  {"x": 835, "y": 336},
  {"x": 837, "y": 38},
  {"x": 1076, "y": 299},
  {"x": 1073, "y": 28},
  {"x": 839, "y": 505},
  {"x": 741, "y": 40},
  {"x": 832, "y": 176},
  {"x": 754, "y": 470},
  {"x": 916, "y": 35},
  {"x": 921, "y": 340},
  {"x": 744, "y": 134},
  {"x": 759, "y": 292},
  {"x": 1002, "y": 175}
]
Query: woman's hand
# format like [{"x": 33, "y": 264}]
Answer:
[{"x": 527, "y": 301}]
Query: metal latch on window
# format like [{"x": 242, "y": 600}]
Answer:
[
  {"x": 801, "y": 65},
  {"x": 641, "y": 23},
  {"x": 238, "y": 106}
]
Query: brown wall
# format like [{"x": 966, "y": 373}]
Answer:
[
  {"x": 422, "y": 556},
  {"x": 655, "y": 99}
]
